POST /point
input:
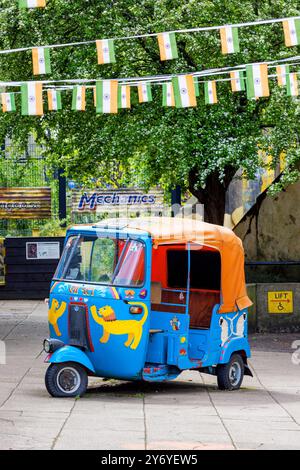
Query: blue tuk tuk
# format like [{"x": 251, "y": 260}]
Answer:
[{"x": 145, "y": 299}]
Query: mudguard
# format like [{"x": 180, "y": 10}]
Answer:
[
  {"x": 71, "y": 354},
  {"x": 232, "y": 346}
]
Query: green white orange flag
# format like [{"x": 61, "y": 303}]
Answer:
[
  {"x": 184, "y": 91},
  {"x": 78, "y": 101},
  {"x": 144, "y": 92},
  {"x": 292, "y": 84},
  {"x": 210, "y": 91},
  {"x": 54, "y": 100},
  {"x": 167, "y": 46},
  {"x": 168, "y": 95},
  {"x": 282, "y": 71},
  {"x": 291, "y": 29},
  {"x": 124, "y": 97},
  {"x": 197, "y": 89},
  {"x": 32, "y": 3},
  {"x": 237, "y": 81},
  {"x": 8, "y": 102},
  {"x": 107, "y": 96},
  {"x": 257, "y": 81},
  {"x": 32, "y": 99},
  {"x": 229, "y": 39},
  {"x": 105, "y": 51},
  {"x": 41, "y": 60}
]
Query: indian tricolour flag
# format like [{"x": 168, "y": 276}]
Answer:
[
  {"x": 257, "y": 80},
  {"x": 167, "y": 46},
  {"x": 32, "y": 99},
  {"x": 78, "y": 101},
  {"x": 107, "y": 96},
  {"x": 32, "y": 3},
  {"x": 229, "y": 39},
  {"x": 291, "y": 28},
  {"x": 144, "y": 92},
  {"x": 41, "y": 60},
  {"x": 184, "y": 91},
  {"x": 54, "y": 100},
  {"x": 282, "y": 71},
  {"x": 210, "y": 91},
  {"x": 168, "y": 95},
  {"x": 8, "y": 102},
  {"x": 124, "y": 97},
  {"x": 237, "y": 80},
  {"x": 292, "y": 84},
  {"x": 105, "y": 51}
]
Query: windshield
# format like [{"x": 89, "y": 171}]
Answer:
[{"x": 119, "y": 262}]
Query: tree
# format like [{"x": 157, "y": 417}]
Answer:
[{"x": 201, "y": 149}]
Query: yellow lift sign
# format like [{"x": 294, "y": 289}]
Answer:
[{"x": 280, "y": 302}]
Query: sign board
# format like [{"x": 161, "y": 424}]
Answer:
[
  {"x": 2, "y": 262},
  {"x": 280, "y": 302},
  {"x": 25, "y": 203},
  {"x": 42, "y": 250}
]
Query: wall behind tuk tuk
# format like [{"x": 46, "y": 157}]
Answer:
[{"x": 29, "y": 265}]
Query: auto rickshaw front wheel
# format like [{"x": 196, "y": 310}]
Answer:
[
  {"x": 66, "y": 379},
  {"x": 230, "y": 376}
]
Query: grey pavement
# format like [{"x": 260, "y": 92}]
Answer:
[{"x": 188, "y": 413}]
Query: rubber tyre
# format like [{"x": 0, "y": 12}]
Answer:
[
  {"x": 53, "y": 373},
  {"x": 224, "y": 373}
]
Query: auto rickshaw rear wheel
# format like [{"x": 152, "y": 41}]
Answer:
[
  {"x": 230, "y": 376},
  {"x": 66, "y": 379}
]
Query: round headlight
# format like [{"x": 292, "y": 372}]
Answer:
[{"x": 47, "y": 346}]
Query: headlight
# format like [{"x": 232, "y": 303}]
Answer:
[{"x": 51, "y": 345}]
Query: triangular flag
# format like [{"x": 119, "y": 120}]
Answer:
[
  {"x": 292, "y": 84},
  {"x": 184, "y": 91},
  {"x": 210, "y": 90},
  {"x": 167, "y": 46},
  {"x": 8, "y": 102},
  {"x": 32, "y": 3},
  {"x": 41, "y": 60},
  {"x": 257, "y": 80},
  {"x": 291, "y": 29},
  {"x": 32, "y": 99},
  {"x": 54, "y": 100},
  {"x": 144, "y": 92},
  {"x": 237, "y": 80},
  {"x": 105, "y": 51},
  {"x": 107, "y": 96},
  {"x": 229, "y": 39},
  {"x": 282, "y": 71},
  {"x": 124, "y": 97},
  {"x": 78, "y": 102},
  {"x": 168, "y": 95}
]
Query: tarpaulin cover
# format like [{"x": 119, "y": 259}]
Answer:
[{"x": 182, "y": 230}]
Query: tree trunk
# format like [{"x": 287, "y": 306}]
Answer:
[{"x": 213, "y": 196}]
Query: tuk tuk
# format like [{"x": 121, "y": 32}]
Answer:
[{"x": 145, "y": 299}]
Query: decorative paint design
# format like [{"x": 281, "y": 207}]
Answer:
[
  {"x": 175, "y": 324},
  {"x": 88, "y": 291},
  {"x": 129, "y": 294},
  {"x": 229, "y": 330},
  {"x": 106, "y": 317},
  {"x": 143, "y": 294},
  {"x": 183, "y": 339},
  {"x": 55, "y": 312},
  {"x": 73, "y": 289},
  {"x": 115, "y": 293}
]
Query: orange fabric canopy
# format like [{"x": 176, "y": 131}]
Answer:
[{"x": 167, "y": 230}]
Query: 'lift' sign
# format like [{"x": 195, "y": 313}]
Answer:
[{"x": 280, "y": 302}]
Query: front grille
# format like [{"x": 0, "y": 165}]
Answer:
[{"x": 78, "y": 328}]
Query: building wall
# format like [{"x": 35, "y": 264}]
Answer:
[{"x": 270, "y": 231}]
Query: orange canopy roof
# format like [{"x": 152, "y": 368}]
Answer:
[{"x": 178, "y": 230}]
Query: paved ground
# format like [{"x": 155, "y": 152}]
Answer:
[{"x": 189, "y": 413}]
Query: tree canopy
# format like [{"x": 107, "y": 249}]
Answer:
[{"x": 199, "y": 148}]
